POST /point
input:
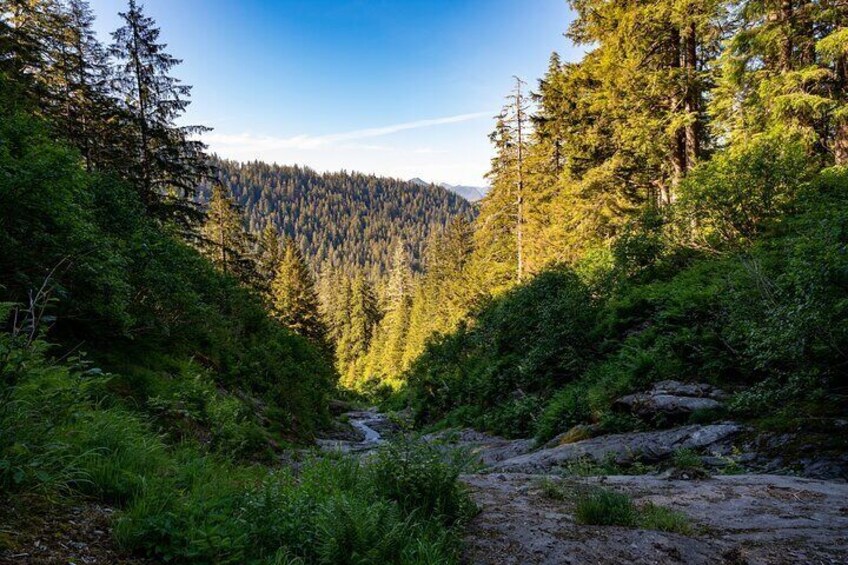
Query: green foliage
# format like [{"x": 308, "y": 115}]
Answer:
[
  {"x": 662, "y": 519},
  {"x": 520, "y": 348},
  {"x": 766, "y": 317},
  {"x": 181, "y": 503},
  {"x": 113, "y": 278},
  {"x": 686, "y": 460},
  {"x": 604, "y": 507},
  {"x": 420, "y": 480},
  {"x": 733, "y": 197},
  {"x": 566, "y": 408}
]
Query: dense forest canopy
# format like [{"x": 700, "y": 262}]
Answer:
[
  {"x": 673, "y": 205},
  {"x": 342, "y": 220}
]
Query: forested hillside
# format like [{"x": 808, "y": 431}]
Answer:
[
  {"x": 157, "y": 361},
  {"x": 672, "y": 206},
  {"x": 341, "y": 221}
]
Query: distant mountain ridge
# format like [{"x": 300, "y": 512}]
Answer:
[
  {"x": 470, "y": 193},
  {"x": 343, "y": 220}
]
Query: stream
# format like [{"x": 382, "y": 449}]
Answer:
[{"x": 369, "y": 425}]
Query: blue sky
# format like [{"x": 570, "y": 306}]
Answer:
[{"x": 403, "y": 88}]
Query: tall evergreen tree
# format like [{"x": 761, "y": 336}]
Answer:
[
  {"x": 84, "y": 75},
  {"x": 269, "y": 255},
  {"x": 167, "y": 162},
  {"x": 224, "y": 240},
  {"x": 785, "y": 68},
  {"x": 293, "y": 296}
]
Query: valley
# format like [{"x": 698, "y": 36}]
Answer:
[{"x": 232, "y": 348}]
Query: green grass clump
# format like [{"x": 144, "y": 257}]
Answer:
[
  {"x": 662, "y": 519},
  {"x": 603, "y": 507},
  {"x": 687, "y": 460}
]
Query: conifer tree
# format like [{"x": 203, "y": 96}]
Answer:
[
  {"x": 495, "y": 235},
  {"x": 224, "y": 240},
  {"x": 362, "y": 317},
  {"x": 504, "y": 210},
  {"x": 84, "y": 73},
  {"x": 168, "y": 162},
  {"x": 784, "y": 69},
  {"x": 293, "y": 296},
  {"x": 269, "y": 255}
]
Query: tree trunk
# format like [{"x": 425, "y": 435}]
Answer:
[
  {"x": 693, "y": 99},
  {"x": 677, "y": 150},
  {"x": 787, "y": 43},
  {"x": 840, "y": 138}
]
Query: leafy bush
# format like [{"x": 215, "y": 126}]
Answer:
[
  {"x": 520, "y": 349},
  {"x": 567, "y": 408},
  {"x": 734, "y": 196},
  {"x": 419, "y": 479}
]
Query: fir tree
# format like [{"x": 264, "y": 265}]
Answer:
[
  {"x": 224, "y": 240},
  {"x": 167, "y": 163},
  {"x": 269, "y": 255},
  {"x": 293, "y": 297},
  {"x": 85, "y": 74}
]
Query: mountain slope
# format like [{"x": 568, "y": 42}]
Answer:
[
  {"x": 470, "y": 193},
  {"x": 340, "y": 219}
]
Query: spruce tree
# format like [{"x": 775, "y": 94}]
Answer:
[
  {"x": 269, "y": 255},
  {"x": 168, "y": 162},
  {"x": 224, "y": 240},
  {"x": 84, "y": 75},
  {"x": 293, "y": 297}
]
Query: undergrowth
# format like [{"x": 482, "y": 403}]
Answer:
[{"x": 182, "y": 501}]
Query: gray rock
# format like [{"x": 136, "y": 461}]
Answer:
[
  {"x": 486, "y": 449},
  {"x": 624, "y": 448},
  {"x": 647, "y": 405},
  {"x": 671, "y": 399},
  {"x": 754, "y": 519},
  {"x": 677, "y": 388}
]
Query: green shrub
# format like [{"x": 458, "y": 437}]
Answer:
[
  {"x": 603, "y": 507},
  {"x": 115, "y": 453},
  {"x": 419, "y": 479},
  {"x": 520, "y": 349},
  {"x": 733, "y": 196},
  {"x": 687, "y": 460},
  {"x": 567, "y": 408}
]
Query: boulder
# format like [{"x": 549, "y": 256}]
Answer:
[
  {"x": 648, "y": 447},
  {"x": 484, "y": 448},
  {"x": 672, "y": 400}
]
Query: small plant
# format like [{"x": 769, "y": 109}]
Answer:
[
  {"x": 603, "y": 507},
  {"x": 660, "y": 518},
  {"x": 687, "y": 460},
  {"x": 553, "y": 490}
]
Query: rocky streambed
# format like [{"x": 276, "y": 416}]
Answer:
[{"x": 741, "y": 506}]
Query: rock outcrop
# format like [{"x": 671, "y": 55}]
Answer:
[
  {"x": 648, "y": 447},
  {"x": 672, "y": 401}
]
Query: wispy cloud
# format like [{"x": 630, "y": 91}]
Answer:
[
  {"x": 261, "y": 143},
  {"x": 441, "y": 153}
]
